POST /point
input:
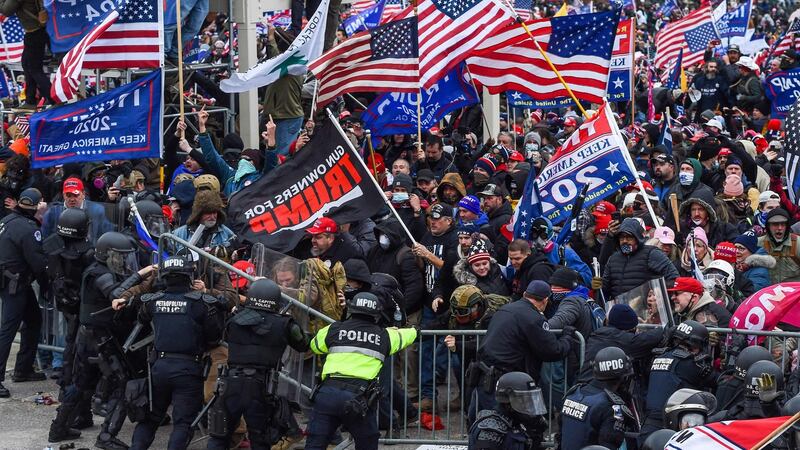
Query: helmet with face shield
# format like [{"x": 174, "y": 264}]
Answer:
[
  {"x": 518, "y": 394},
  {"x": 687, "y": 408},
  {"x": 118, "y": 252},
  {"x": 153, "y": 217}
]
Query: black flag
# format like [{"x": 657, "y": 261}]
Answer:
[
  {"x": 792, "y": 152},
  {"x": 326, "y": 178}
]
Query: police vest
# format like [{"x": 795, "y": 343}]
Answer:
[
  {"x": 358, "y": 337},
  {"x": 257, "y": 338},
  {"x": 577, "y": 429},
  {"x": 92, "y": 299},
  {"x": 177, "y": 321},
  {"x": 664, "y": 379},
  {"x": 494, "y": 430}
]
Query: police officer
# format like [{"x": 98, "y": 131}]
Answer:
[
  {"x": 684, "y": 364},
  {"x": 763, "y": 393},
  {"x": 791, "y": 408},
  {"x": 658, "y": 440},
  {"x": 21, "y": 261},
  {"x": 69, "y": 253},
  {"x": 257, "y": 336},
  {"x": 730, "y": 385},
  {"x": 185, "y": 324},
  {"x": 517, "y": 423},
  {"x": 97, "y": 350},
  {"x": 688, "y": 408},
  {"x": 596, "y": 413},
  {"x": 356, "y": 349}
]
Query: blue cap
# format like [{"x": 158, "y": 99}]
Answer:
[{"x": 538, "y": 289}]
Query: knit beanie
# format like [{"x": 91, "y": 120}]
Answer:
[
  {"x": 749, "y": 241},
  {"x": 478, "y": 252},
  {"x": 471, "y": 204},
  {"x": 699, "y": 233},
  {"x": 486, "y": 164},
  {"x": 232, "y": 141},
  {"x": 733, "y": 185},
  {"x": 564, "y": 277},
  {"x": 622, "y": 317},
  {"x": 255, "y": 155},
  {"x": 726, "y": 251}
]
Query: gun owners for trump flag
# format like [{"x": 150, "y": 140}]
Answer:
[{"x": 325, "y": 179}]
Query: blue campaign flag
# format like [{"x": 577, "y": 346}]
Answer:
[
  {"x": 782, "y": 91},
  {"x": 528, "y": 208},
  {"x": 365, "y": 20},
  {"x": 667, "y": 8},
  {"x": 519, "y": 99},
  {"x": 5, "y": 89},
  {"x": 124, "y": 123},
  {"x": 396, "y": 113},
  {"x": 69, "y": 22},
  {"x": 195, "y": 51},
  {"x": 734, "y": 23},
  {"x": 674, "y": 81}
]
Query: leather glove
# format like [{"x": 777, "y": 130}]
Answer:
[
  {"x": 768, "y": 388},
  {"x": 597, "y": 283},
  {"x": 568, "y": 330},
  {"x": 713, "y": 338}
]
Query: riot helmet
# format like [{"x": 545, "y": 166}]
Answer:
[
  {"x": 73, "y": 223},
  {"x": 791, "y": 408},
  {"x": 749, "y": 356},
  {"x": 365, "y": 304},
  {"x": 594, "y": 447},
  {"x": 759, "y": 368},
  {"x": 691, "y": 333},
  {"x": 467, "y": 304},
  {"x": 153, "y": 217},
  {"x": 611, "y": 364},
  {"x": 118, "y": 252},
  {"x": 687, "y": 408},
  {"x": 518, "y": 392},
  {"x": 658, "y": 440},
  {"x": 177, "y": 269},
  {"x": 265, "y": 295},
  {"x": 387, "y": 287}
]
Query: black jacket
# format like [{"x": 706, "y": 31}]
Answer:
[
  {"x": 535, "y": 267},
  {"x": 492, "y": 283},
  {"x": 497, "y": 219},
  {"x": 638, "y": 346},
  {"x": 625, "y": 272},
  {"x": 399, "y": 262}
]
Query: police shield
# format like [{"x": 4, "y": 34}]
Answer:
[{"x": 650, "y": 302}]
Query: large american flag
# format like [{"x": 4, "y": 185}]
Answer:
[
  {"x": 450, "y": 29},
  {"x": 384, "y": 59},
  {"x": 524, "y": 9},
  {"x": 691, "y": 33},
  {"x": 12, "y": 37},
  {"x": 787, "y": 40},
  {"x": 133, "y": 41},
  {"x": 579, "y": 46}
]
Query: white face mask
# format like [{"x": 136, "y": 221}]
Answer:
[
  {"x": 384, "y": 241},
  {"x": 686, "y": 178},
  {"x": 697, "y": 222}
]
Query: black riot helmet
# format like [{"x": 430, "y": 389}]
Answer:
[
  {"x": 265, "y": 295},
  {"x": 755, "y": 372},
  {"x": 177, "y": 269},
  {"x": 791, "y": 408},
  {"x": 594, "y": 447},
  {"x": 519, "y": 394},
  {"x": 73, "y": 223},
  {"x": 387, "y": 287},
  {"x": 658, "y": 440},
  {"x": 610, "y": 364},
  {"x": 749, "y": 356},
  {"x": 152, "y": 216},
  {"x": 687, "y": 408},
  {"x": 118, "y": 252},
  {"x": 690, "y": 333},
  {"x": 365, "y": 304}
]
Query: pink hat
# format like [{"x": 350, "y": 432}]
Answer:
[
  {"x": 665, "y": 235},
  {"x": 698, "y": 233},
  {"x": 733, "y": 185}
]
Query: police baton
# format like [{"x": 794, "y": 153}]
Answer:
[
  {"x": 102, "y": 311},
  {"x": 203, "y": 411}
]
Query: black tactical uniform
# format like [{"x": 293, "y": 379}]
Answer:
[
  {"x": 97, "y": 350},
  {"x": 517, "y": 423},
  {"x": 730, "y": 386},
  {"x": 21, "y": 261},
  {"x": 257, "y": 337},
  {"x": 69, "y": 252},
  {"x": 757, "y": 404},
  {"x": 185, "y": 324},
  {"x": 595, "y": 413}
]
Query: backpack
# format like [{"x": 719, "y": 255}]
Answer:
[{"x": 597, "y": 313}]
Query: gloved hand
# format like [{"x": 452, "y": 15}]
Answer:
[
  {"x": 768, "y": 388},
  {"x": 597, "y": 283},
  {"x": 568, "y": 330},
  {"x": 713, "y": 338}
]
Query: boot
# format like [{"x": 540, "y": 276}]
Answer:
[
  {"x": 82, "y": 422},
  {"x": 4, "y": 393},
  {"x": 108, "y": 442},
  {"x": 59, "y": 429}
]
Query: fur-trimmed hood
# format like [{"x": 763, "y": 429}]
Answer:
[
  {"x": 760, "y": 260},
  {"x": 453, "y": 179},
  {"x": 205, "y": 202},
  {"x": 703, "y": 200},
  {"x": 464, "y": 275}
]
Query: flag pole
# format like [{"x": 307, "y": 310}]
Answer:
[
  {"x": 478, "y": 96},
  {"x": 371, "y": 152},
  {"x": 777, "y": 432},
  {"x": 180, "y": 61},
  {"x": 419, "y": 94},
  {"x": 314, "y": 101},
  {"x": 633, "y": 67},
  {"x": 374, "y": 181},
  {"x": 553, "y": 67}
]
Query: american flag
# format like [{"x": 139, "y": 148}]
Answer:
[
  {"x": 579, "y": 46},
  {"x": 22, "y": 121},
  {"x": 787, "y": 40},
  {"x": 524, "y": 8},
  {"x": 691, "y": 33},
  {"x": 11, "y": 35},
  {"x": 65, "y": 83},
  {"x": 450, "y": 29},
  {"x": 133, "y": 41},
  {"x": 384, "y": 59},
  {"x": 792, "y": 149}
]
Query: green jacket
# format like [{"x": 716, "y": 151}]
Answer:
[
  {"x": 26, "y": 10},
  {"x": 282, "y": 99},
  {"x": 787, "y": 257}
]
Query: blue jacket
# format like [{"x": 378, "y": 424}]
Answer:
[
  {"x": 573, "y": 261},
  {"x": 225, "y": 173},
  {"x": 97, "y": 215},
  {"x": 222, "y": 236},
  {"x": 760, "y": 264},
  {"x": 179, "y": 170}
]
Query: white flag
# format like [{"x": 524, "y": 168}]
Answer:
[{"x": 306, "y": 47}]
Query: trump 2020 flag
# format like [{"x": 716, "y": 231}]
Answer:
[
  {"x": 365, "y": 20},
  {"x": 307, "y": 46},
  {"x": 327, "y": 179},
  {"x": 620, "y": 79},
  {"x": 728, "y": 435},
  {"x": 792, "y": 149},
  {"x": 68, "y": 22},
  {"x": 732, "y": 23},
  {"x": 593, "y": 155},
  {"x": 396, "y": 112},
  {"x": 123, "y": 123}
]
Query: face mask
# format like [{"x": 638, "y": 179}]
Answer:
[
  {"x": 715, "y": 165},
  {"x": 210, "y": 223},
  {"x": 762, "y": 216},
  {"x": 245, "y": 168},
  {"x": 626, "y": 249},
  {"x": 399, "y": 197},
  {"x": 557, "y": 296},
  {"x": 384, "y": 242},
  {"x": 686, "y": 178},
  {"x": 531, "y": 147},
  {"x": 99, "y": 183},
  {"x": 697, "y": 222},
  {"x": 479, "y": 178}
]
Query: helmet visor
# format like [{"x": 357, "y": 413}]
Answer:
[
  {"x": 690, "y": 420},
  {"x": 529, "y": 403},
  {"x": 122, "y": 263},
  {"x": 156, "y": 225}
]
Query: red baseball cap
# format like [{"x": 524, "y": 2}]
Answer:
[
  {"x": 247, "y": 267},
  {"x": 323, "y": 225},
  {"x": 605, "y": 207},
  {"x": 73, "y": 186},
  {"x": 687, "y": 284},
  {"x": 724, "y": 151},
  {"x": 570, "y": 122},
  {"x": 516, "y": 156}
]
